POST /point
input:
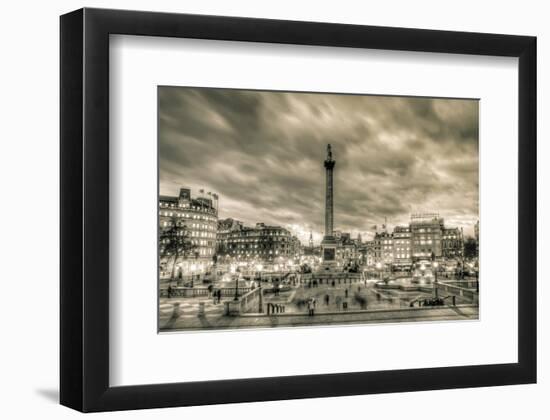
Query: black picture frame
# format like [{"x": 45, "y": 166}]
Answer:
[{"x": 84, "y": 151}]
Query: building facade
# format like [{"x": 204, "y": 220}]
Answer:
[
  {"x": 383, "y": 248},
  {"x": 377, "y": 248},
  {"x": 368, "y": 251},
  {"x": 402, "y": 248},
  {"x": 425, "y": 237},
  {"x": 225, "y": 228},
  {"x": 426, "y": 233},
  {"x": 199, "y": 218},
  {"x": 347, "y": 248},
  {"x": 262, "y": 243},
  {"x": 452, "y": 242}
]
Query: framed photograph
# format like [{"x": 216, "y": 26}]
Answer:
[{"x": 257, "y": 209}]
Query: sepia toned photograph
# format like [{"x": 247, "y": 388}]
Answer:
[{"x": 307, "y": 209}]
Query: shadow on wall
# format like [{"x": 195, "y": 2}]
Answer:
[{"x": 51, "y": 394}]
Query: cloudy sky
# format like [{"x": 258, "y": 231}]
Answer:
[{"x": 262, "y": 153}]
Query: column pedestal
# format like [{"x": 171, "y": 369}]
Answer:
[{"x": 329, "y": 247}]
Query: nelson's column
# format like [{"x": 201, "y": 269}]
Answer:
[{"x": 329, "y": 244}]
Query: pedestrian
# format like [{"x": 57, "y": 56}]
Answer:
[
  {"x": 219, "y": 295},
  {"x": 327, "y": 299},
  {"x": 311, "y": 306},
  {"x": 169, "y": 291}
]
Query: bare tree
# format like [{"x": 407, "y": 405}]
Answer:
[{"x": 175, "y": 241}]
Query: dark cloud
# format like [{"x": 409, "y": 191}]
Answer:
[{"x": 263, "y": 153}]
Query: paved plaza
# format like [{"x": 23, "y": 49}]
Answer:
[
  {"x": 446, "y": 313},
  {"x": 338, "y": 304}
]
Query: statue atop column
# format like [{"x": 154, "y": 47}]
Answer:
[{"x": 329, "y": 152}]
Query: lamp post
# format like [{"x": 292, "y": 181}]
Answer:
[
  {"x": 237, "y": 287},
  {"x": 436, "y": 293},
  {"x": 193, "y": 268},
  {"x": 192, "y": 275},
  {"x": 259, "y": 268}
]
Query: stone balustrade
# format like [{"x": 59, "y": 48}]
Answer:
[
  {"x": 201, "y": 291},
  {"x": 246, "y": 303}
]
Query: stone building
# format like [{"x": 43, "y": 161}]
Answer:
[
  {"x": 383, "y": 248},
  {"x": 199, "y": 217},
  {"x": 263, "y": 242},
  {"x": 368, "y": 252},
  {"x": 225, "y": 228},
  {"x": 402, "y": 248},
  {"x": 425, "y": 237},
  {"x": 426, "y": 233},
  {"x": 347, "y": 248},
  {"x": 452, "y": 242}
]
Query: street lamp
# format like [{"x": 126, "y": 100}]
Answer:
[
  {"x": 192, "y": 276},
  {"x": 259, "y": 269},
  {"x": 237, "y": 287},
  {"x": 436, "y": 294},
  {"x": 193, "y": 268}
]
